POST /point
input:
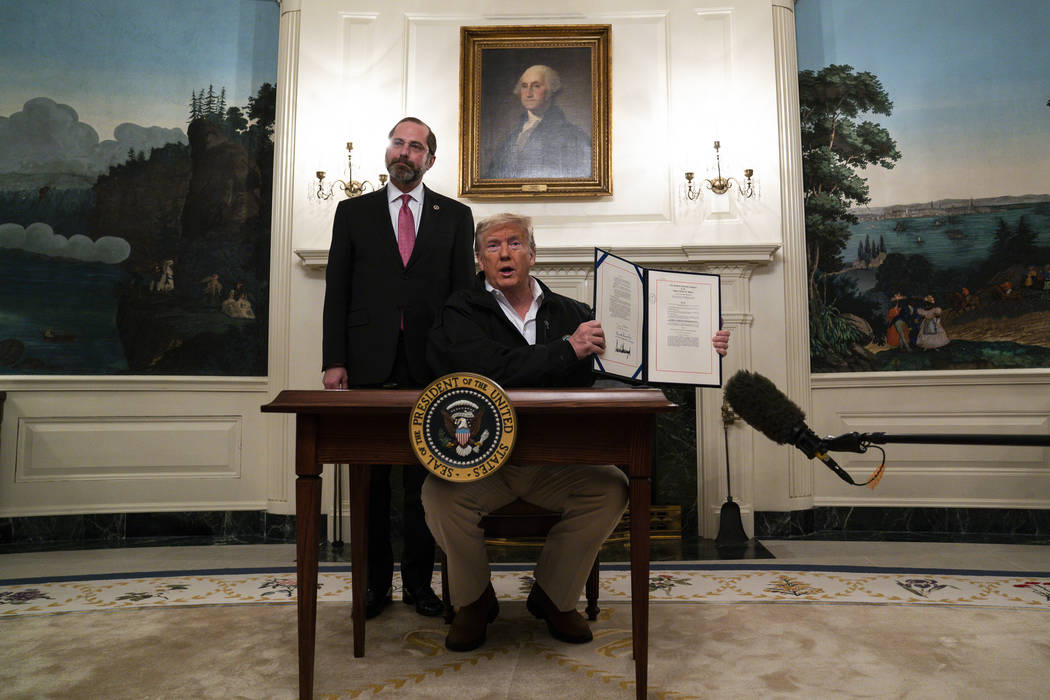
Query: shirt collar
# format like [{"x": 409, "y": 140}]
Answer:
[
  {"x": 394, "y": 194},
  {"x": 534, "y": 287}
]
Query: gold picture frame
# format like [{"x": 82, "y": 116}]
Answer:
[{"x": 566, "y": 152}]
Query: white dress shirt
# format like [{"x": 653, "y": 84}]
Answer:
[
  {"x": 415, "y": 205},
  {"x": 526, "y": 326}
]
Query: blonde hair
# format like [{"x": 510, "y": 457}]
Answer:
[{"x": 504, "y": 220}]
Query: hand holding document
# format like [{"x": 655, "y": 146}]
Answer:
[{"x": 657, "y": 323}]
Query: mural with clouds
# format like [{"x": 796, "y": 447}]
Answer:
[
  {"x": 145, "y": 250},
  {"x": 926, "y": 170}
]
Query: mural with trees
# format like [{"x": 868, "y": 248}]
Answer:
[
  {"x": 148, "y": 253},
  {"x": 952, "y": 282}
]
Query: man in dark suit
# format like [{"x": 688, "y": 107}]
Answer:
[{"x": 396, "y": 255}]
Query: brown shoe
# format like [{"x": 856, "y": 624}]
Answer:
[
  {"x": 468, "y": 626},
  {"x": 567, "y": 626}
]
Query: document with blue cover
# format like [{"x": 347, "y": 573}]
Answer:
[{"x": 658, "y": 323}]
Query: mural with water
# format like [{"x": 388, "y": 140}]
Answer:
[
  {"x": 926, "y": 169},
  {"x": 146, "y": 252}
]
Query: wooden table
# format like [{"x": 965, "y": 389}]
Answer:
[{"x": 360, "y": 427}]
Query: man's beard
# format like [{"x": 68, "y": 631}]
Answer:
[{"x": 405, "y": 173}]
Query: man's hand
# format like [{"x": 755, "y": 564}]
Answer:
[
  {"x": 335, "y": 378},
  {"x": 720, "y": 342},
  {"x": 589, "y": 339}
]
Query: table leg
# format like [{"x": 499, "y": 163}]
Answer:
[
  {"x": 359, "y": 478},
  {"x": 641, "y": 493},
  {"x": 307, "y": 533},
  {"x": 307, "y": 515}
]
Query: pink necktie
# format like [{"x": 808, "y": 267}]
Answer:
[{"x": 406, "y": 230}]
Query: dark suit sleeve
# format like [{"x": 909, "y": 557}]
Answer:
[
  {"x": 461, "y": 272},
  {"x": 338, "y": 278},
  {"x": 463, "y": 341}
]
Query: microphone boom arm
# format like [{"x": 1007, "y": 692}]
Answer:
[{"x": 859, "y": 442}]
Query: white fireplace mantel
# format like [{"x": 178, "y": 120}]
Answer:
[{"x": 748, "y": 254}]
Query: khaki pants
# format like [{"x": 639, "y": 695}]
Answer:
[{"x": 591, "y": 498}]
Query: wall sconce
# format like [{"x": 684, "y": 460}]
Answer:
[
  {"x": 720, "y": 185},
  {"x": 350, "y": 186}
]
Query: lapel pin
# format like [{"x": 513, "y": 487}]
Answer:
[{"x": 436, "y": 207}]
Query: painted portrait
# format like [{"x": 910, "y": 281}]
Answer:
[
  {"x": 537, "y": 99},
  {"x": 536, "y": 117}
]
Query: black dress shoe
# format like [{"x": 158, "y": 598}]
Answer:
[
  {"x": 566, "y": 625},
  {"x": 426, "y": 602},
  {"x": 467, "y": 631},
  {"x": 374, "y": 603}
]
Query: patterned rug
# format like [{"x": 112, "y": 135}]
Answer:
[
  {"x": 716, "y": 631},
  {"x": 679, "y": 583}
]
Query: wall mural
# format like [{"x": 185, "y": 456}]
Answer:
[
  {"x": 146, "y": 252},
  {"x": 926, "y": 168}
]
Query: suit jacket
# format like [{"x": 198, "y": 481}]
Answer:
[
  {"x": 472, "y": 334},
  {"x": 556, "y": 148},
  {"x": 367, "y": 288}
]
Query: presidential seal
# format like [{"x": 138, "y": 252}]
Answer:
[{"x": 462, "y": 427}]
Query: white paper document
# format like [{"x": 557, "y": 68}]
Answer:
[
  {"x": 658, "y": 323},
  {"x": 622, "y": 315}
]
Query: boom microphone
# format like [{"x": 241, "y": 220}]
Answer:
[{"x": 765, "y": 408}]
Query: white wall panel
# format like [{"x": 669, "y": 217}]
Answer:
[
  {"x": 127, "y": 447},
  {"x": 927, "y": 474},
  {"x": 132, "y": 451}
]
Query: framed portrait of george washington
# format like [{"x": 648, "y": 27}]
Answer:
[{"x": 534, "y": 117}]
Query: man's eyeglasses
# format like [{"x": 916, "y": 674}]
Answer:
[{"x": 414, "y": 146}]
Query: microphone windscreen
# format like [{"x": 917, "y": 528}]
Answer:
[{"x": 765, "y": 408}]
